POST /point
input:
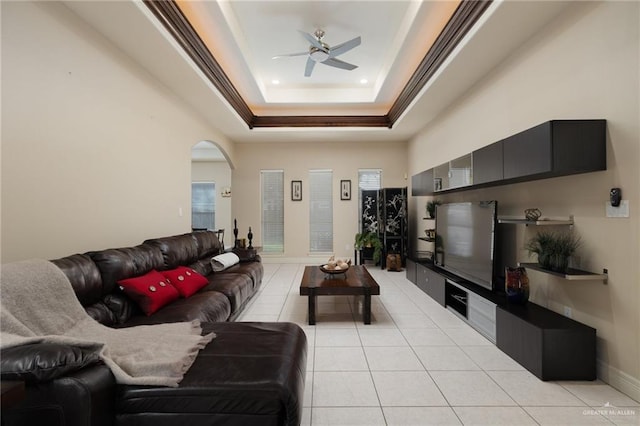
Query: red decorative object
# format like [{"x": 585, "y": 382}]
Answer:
[
  {"x": 186, "y": 280},
  {"x": 517, "y": 285},
  {"x": 150, "y": 291}
]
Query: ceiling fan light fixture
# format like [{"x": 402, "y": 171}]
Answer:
[{"x": 318, "y": 55}]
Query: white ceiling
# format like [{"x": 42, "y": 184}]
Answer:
[{"x": 244, "y": 35}]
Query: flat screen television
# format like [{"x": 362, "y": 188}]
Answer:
[{"x": 465, "y": 240}]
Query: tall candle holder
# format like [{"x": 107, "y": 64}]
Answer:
[{"x": 235, "y": 233}]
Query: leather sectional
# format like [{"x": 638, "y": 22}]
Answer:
[{"x": 250, "y": 374}]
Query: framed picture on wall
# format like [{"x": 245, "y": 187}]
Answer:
[
  {"x": 345, "y": 189},
  {"x": 296, "y": 190}
]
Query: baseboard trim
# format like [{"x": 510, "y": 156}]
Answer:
[
  {"x": 618, "y": 379},
  {"x": 307, "y": 260},
  {"x": 287, "y": 260}
]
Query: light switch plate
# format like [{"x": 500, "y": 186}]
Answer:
[{"x": 621, "y": 211}]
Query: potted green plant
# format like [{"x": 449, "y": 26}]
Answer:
[
  {"x": 431, "y": 207},
  {"x": 554, "y": 249},
  {"x": 369, "y": 240}
]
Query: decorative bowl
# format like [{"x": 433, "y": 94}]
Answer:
[{"x": 324, "y": 269}]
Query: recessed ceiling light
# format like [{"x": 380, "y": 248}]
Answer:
[
  {"x": 276, "y": 82},
  {"x": 364, "y": 81}
]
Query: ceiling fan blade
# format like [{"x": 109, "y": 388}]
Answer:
[
  {"x": 344, "y": 47},
  {"x": 290, "y": 54},
  {"x": 333, "y": 62},
  {"x": 309, "y": 68},
  {"x": 311, "y": 39}
]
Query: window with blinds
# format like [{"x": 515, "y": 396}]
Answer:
[
  {"x": 272, "y": 201},
  {"x": 368, "y": 179},
  {"x": 203, "y": 205},
  {"x": 321, "y": 211}
]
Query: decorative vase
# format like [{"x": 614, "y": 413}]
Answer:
[
  {"x": 544, "y": 259},
  {"x": 517, "y": 285},
  {"x": 559, "y": 262},
  {"x": 532, "y": 214}
]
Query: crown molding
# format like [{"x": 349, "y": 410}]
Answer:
[
  {"x": 463, "y": 19},
  {"x": 465, "y": 16},
  {"x": 321, "y": 121},
  {"x": 172, "y": 18}
]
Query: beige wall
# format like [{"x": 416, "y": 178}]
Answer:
[
  {"x": 95, "y": 153},
  {"x": 584, "y": 65},
  {"x": 220, "y": 173},
  {"x": 296, "y": 160}
]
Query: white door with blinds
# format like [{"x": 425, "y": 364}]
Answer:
[
  {"x": 321, "y": 211},
  {"x": 272, "y": 205}
]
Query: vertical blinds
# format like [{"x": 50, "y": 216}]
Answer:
[
  {"x": 272, "y": 192},
  {"x": 320, "y": 211}
]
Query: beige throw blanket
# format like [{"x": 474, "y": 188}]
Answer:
[{"x": 39, "y": 305}]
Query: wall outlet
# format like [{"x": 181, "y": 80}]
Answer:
[
  {"x": 567, "y": 312},
  {"x": 621, "y": 211}
]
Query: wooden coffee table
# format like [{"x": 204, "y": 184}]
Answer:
[{"x": 355, "y": 282}]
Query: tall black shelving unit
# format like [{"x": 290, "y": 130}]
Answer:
[{"x": 384, "y": 211}]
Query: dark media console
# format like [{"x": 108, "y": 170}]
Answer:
[{"x": 549, "y": 345}]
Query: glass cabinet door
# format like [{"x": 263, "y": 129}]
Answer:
[
  {"x": 460, "y": 172},
  {"x": 441, "y": 177}
]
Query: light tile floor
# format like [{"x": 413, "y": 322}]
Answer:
[{"x": 419, "y": 364}]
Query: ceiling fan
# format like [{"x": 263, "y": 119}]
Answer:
[{"x": 322, "y": 53}]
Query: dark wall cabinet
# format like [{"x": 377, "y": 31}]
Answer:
[
  {"x": 488, "y": 164},
  {"x": 528, "y": 153},
  {"x": 422, "y": 183},
  {"x": 551, "y": 149},
  {"x": 556, "y": 148}
]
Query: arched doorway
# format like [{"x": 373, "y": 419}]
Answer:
[{"x": 210, "y": 188}]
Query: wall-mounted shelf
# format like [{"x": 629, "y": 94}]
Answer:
[
  {"x": 539, "y": 222},
  {"x": 429, "y": 240},
  {"x": 571, "y": 274},
  {"x": 428, "y": 218}
]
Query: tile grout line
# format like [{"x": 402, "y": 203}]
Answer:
[{"x": 437, "y": 325}]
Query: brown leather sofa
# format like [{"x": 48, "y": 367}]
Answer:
[{"x": 250, "y": 374}]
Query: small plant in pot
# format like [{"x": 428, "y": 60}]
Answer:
[
  {"x": 369, "y": 240},
  {"x": 431, "y": 207},
  {"x": 554, "y": 249}
]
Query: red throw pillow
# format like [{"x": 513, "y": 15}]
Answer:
[
  {"x": 150, "y": 291},
  {"x": 185, "y": 280}
]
